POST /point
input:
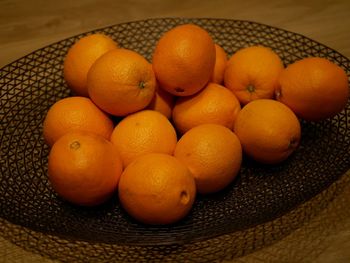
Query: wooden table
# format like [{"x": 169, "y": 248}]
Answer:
[{"x": 28, "y": 25}]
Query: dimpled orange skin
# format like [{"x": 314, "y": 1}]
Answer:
[
  {"x": 314, "y": 88},
  {"x": 252, "y": 73},
  {"x": 213, "y": 154},
  {"x": 220, "y": 65},
  {"x": 80, "y": 58},
  {"x": 162, "y": 102},
  {"x": 213, "y": 104},
  {"x": 268, "y": 130},
  {"x": 157, "y": 189},
  {"x": 143, "y": 132},
  {"x": 75, "y": 114},
  {"x": 184, "y": 59},
  {"x": 84, "y": 168},
  {"x": 121, "y": 82}
]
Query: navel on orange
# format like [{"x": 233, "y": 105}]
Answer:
[
  {"x": 184, "y": 59},
  {"x": 157, "y": 189},
  {"x": 268, "y": 130}
]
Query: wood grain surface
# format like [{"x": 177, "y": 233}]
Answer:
[{"x": 28, "y": 25}]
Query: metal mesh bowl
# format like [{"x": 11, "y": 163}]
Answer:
[{"x": 260, "y": 194}]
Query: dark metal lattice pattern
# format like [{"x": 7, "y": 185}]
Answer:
[{"x": 30, "y": 85}]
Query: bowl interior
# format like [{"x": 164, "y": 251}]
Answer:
[{"x": 30, "y": 85}]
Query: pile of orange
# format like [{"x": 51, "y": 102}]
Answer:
[{"x": 186, "y": 119}]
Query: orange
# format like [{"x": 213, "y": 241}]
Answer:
[
  {"x": 213, "y": 154},
  {"x": 252, "y": 73},
  {"x": 314, "y": 88},
  {"x": 220, "y": 65},
  {"x": 157, "y": 189},
  {"x": 75, "y": 114},
  {"x": 213, "y": 104},
  {"x": 268, "y": 130},
  {"x": 143, "y": 132},
  {"x": 184, "y": 59},
  {"x": 84, "y": 168},
  {"x": 121, "y": 82},
  {"x": 81, "y": 56},
  {"x": 162, "y": 102}
]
